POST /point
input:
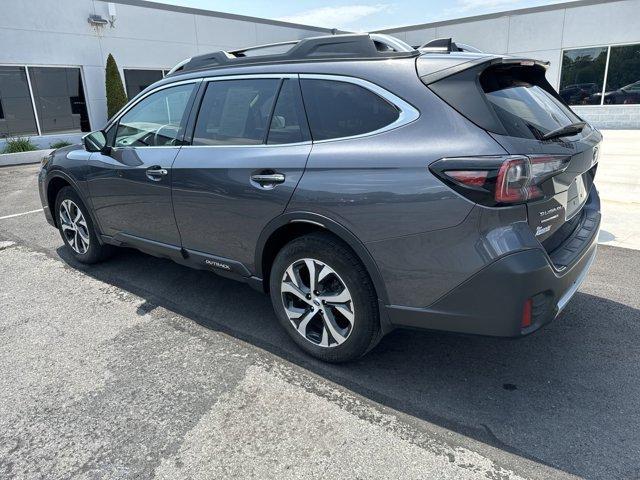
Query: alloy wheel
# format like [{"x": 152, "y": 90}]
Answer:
[
  {"x": 74, "y": 226},
  {"x": 317, "y": 302}
]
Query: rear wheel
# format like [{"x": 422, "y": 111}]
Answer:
[
  {"x": 324, "y": 298},
  {"x": 77, "y": 229}
]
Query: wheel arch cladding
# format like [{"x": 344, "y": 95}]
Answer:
[
  {"x": 289, "y": 226},
  {"x": 54, "y": 186}
]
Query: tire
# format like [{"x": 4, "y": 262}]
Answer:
[
  {"x": 78, "y": 231},
  {"x": 339, "y": 330}
]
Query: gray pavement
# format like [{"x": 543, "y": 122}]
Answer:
[{"x": 141, "y": 368}]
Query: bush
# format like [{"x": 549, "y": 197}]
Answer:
[
  {"x": 19, "y": 144},
  {"x": 60, "y": 144},
  {"x": 116, "y": 97}
]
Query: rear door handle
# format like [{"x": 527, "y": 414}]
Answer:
[
  {"x": 154, "y": 173},
  {"x": 266, "y": 179}
]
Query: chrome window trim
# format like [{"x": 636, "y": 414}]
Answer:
[
  {"x": 250, "y": 75},
  {"x": 407, "y": 112}
]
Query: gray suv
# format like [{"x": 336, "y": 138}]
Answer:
[{"x": 362, "y": 183}]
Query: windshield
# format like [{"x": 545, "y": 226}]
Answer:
[{"x": 524, "y": 107}]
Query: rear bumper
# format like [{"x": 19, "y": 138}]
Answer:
[{"x": 491, "y": 302}]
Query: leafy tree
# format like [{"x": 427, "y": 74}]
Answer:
[{"x": 116, "y": 97}]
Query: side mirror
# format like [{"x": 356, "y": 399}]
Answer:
[{"x": 96, "y": 142}]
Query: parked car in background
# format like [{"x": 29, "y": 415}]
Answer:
[
  {"x": 436, "y": 189},
  {"x": 629, "y": 94},
  {"x": 579, "y": 93}
]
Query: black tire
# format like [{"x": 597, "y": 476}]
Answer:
[
  {"x": 96, "y": 251},
  {"x": 364, "y": 332}
]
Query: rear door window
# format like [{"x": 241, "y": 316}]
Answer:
[
  {"x": 289, "y": 123},
  {"x": 524, "y": 108},
  {"x": 338, "y": 109},
  {"x": 235, "y": 112}
]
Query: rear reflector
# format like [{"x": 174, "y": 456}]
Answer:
[
  {"x": 526, "y": 313},
  {"x": 472, "y": 178}
]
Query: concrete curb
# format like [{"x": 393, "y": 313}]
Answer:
[{"x": 21, "y": 158}]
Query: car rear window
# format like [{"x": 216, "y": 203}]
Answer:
[
  {"x": 339, "y": 109},
  {"x": 524, "y": 106}
]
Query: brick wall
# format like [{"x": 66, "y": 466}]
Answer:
[{"x": 615, "y": 117}]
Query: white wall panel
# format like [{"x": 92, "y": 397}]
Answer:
[
  {"x": 602, "y": 24},
  {"x": 535, "y": 31},
  {"x": 490, "y": 35}
]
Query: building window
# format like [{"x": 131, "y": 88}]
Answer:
[
  {"x": 582, "y": 75},
  {"x": 58, "y": 94},
  {"x": 16, "y": 109},
  {"x": 623, "y": 77},
  {"x": 137, "y": 80}
]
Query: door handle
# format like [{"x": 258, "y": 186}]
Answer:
[
  {"x": 153, "y": 173},
  {"x": 266, "y": 179}
]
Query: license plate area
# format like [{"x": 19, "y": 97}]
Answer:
[{"x": 576, "y": 197}]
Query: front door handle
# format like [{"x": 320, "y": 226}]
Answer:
[
  {"x": 268, "y": 179},
  {"x": 154, "y": 173}
]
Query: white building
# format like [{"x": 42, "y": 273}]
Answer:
[{"x": 52, "y": 58}]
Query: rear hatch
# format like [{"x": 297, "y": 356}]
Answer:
[{"x": 512, "y": 100}]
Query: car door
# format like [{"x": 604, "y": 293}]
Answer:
[
  {"x": 130, "y": 183},
  {"x": 248, "y": 150}
]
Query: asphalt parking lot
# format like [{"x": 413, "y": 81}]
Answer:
[{"x": 141, "y": 368}]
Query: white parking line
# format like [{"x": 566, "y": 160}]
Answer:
[{"x": 20, "y": 214}]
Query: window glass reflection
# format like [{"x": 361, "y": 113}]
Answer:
[
  {"x": 59, "y": 97},
  {"x": 137, "y": 80},
  {"x": 16, "y": 110},
  {"x": 623, "y": 79},
  {"x": 582, "y": 75}
]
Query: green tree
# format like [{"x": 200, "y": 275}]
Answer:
[{"x": 116, "y": 97}]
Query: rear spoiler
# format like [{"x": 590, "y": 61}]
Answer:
[{"x": 485, "y": 60}]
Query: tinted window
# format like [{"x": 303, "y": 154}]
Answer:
[
  {"x": 16, "y": 111},
  {"x": 582, "y": 75},
  {"x": 59, "y": 97},
  {"x": 289, "y": 123},
  {"x": 339, "y": 109},
  {"x": 523, "y": 104},
  {"x": 235, "y": 112},
  {"x": 623, "y": 79},
  {"x": 137, "y": 80},
  {"x": 155, "y": 120}
]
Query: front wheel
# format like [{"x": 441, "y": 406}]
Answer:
[
  {"x": 77, "y": 229},
  {"x": 324, "y": 298}
]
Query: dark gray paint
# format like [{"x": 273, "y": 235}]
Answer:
[
  {"x": 126, "y": 200},
  {"x": 219, "y": 209}
]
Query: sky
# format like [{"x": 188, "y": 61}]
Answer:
[{"x": 359, "y": 15}]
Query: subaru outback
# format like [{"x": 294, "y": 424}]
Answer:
[{"x": 363, "y": 184}]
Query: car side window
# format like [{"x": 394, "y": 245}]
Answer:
[
  {"x": 235, "y": 112},
  {"x": 156, "y": 120},
  {"x": 340, "y": 109},
  {"x": 289, "y": 122}
]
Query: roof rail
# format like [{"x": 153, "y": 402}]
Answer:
[
  {"x": 446, "y": 45},
  {"x": 329, "y": 47}
]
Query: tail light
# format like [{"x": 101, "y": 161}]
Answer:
[{"x": 502, "y": 180}]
